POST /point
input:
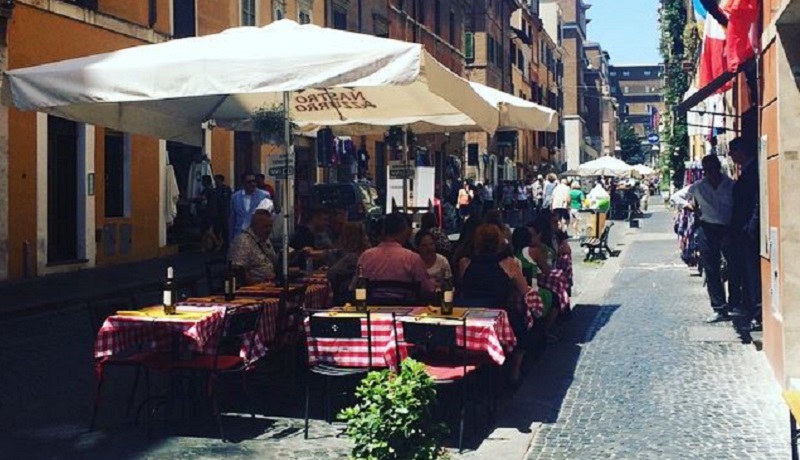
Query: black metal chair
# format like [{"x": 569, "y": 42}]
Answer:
[
  {"x": 321, "y": 325},
  {"x": 238, "y": 323},
  {"x": 389, "y": 292},
  {"x": 446, "y": 360},
  {"x": 99, "y": 311}
]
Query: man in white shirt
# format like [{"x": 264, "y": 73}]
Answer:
[
  {"x": 712, "y": 199},
  {"x": 561, "y": 203}
]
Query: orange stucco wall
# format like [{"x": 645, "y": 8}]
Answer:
[
  {"x": 27, "y": 47},
  {"x": 773, "y": 327}
]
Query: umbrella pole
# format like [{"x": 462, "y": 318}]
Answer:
[
  {"x": 405, "y": 169},
  {"x": 287, "y": 140}
]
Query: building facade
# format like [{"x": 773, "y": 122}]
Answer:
[
  {"x": 81, "y": 196},
  {"x": 574, "y": 23},
  {"x": 487, "y": 32},
  {"x": 639, "y": 91},
  {"x": 778, "y": 113},
  {"x": 601, "y": 115}
]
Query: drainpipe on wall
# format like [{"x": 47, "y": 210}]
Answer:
[
  {"x": 6, "y": 10},
  {"x": 360, "y": 17}
]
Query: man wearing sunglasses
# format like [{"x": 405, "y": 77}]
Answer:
[{"x": 244, "y": 203}]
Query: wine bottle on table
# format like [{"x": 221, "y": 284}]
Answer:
[
  {"x": 447, "y": 296},
  {"x": 361, "y": 291},
  {"x": 230, "y": 283},
  {"x": 170, "y": 293}
]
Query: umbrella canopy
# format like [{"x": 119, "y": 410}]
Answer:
[
  {"x": 517, "y": 113},
  {"x": 514, "y": 113},
  {"x": 168, "y": 90},
  {"x": 644, "y": 170},
  {"x": 606, "y": 166}
]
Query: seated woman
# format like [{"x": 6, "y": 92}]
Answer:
[
  {"x": 535, "y": 258},
  {"x": 352, "y": 243},
  {"x": 437, "y": 265},
  {"x": 492, "y": 280},
  {"x": 442, "y": 242}
]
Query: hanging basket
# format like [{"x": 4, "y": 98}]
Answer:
[{"x": 269, "y": 125}]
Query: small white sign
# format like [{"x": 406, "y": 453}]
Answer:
[{"x": 774, "y": 264}]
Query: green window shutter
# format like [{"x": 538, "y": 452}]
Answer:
[{"x": 469, "y": 46}]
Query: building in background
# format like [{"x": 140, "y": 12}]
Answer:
[
  {"x": 487, "y": 35},
  {"x": 551, "y": 80},
  {"x": 639, "y": 90},
  {"x": 523, "y": 77},
  {"x": 601, "y": 107},
  {"x": 573, "y": 36}
]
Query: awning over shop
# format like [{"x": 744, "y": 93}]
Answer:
[{"x": 704, "y": 93}]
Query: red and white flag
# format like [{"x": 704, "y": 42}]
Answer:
[
  {"x": 740, "y": 44},
  {"x": 712, "y": 58}
]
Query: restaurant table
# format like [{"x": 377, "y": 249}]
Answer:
[
  {"x": 317, "y": 294},
  {"x": 488, "y": 332},
  {"x": 194, "y": 328},
  {"x": 557, "y": 281}
]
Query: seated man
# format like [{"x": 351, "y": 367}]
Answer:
[
  {"x": 252, "y": 253},
  {"x": 389, "y": 261}
]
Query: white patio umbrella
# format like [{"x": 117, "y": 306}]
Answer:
[
  {"x": 606, "y": 166},
  {"x": 168, "y": 90},
  {"x": 644, "y": 170},
  {"x": 514, "y": 113},
  {"x": 324, "y": 76}
]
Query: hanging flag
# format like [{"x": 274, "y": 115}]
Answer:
[
  {"x": 700, "y": 10},
  {"x": 712, "y": 56},
  {"x": 655, "y": 119},
  {"x": 740, "y": 45}
]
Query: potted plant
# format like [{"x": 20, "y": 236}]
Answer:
[
  {"x": 392, "y": 419},
  {"x": 269, "y": 124}
]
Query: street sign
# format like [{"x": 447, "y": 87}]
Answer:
[
  {"x": 401, "y": 172},
  {"x": 653, "y": 138},
  {"x": 280, "y": 172},
  {"x": 281, "y": 161}
]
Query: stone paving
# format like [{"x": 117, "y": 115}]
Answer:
[{"x": 652, "y": 381}]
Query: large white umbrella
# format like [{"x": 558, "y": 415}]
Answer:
[
  {"x": 517, "y": 113},
  {"x": 168, "y": 90},
  {"x": 644, "y": 170},
  {"x": 514, "y": 113},
  {"x": 606, "y": 166},
  {"x": 325, "y": 76}
]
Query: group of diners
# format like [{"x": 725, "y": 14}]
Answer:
[{"x": 490, "y": 266}]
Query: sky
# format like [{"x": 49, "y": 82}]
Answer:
[{"x": 627, "y": 29}]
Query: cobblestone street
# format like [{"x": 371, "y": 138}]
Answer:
[
  {"x": 637, "y": 375},
  {"x": 651, "y": 379}
]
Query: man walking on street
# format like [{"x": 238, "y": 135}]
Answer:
[
  {"x": 711, "y": 198},
  {"x": 746, "y": 230}
]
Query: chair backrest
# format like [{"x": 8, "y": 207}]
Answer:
[
  {"x": 237, "y": 324},
  {"x": 390, "y": 292},
  {"x": 290, "y": 306},
  {"x": 102, "y": 308},
  {"x": 427, "y": 339},
  {"x": 322, "y": 325},
  {"x": 216, "y": 269}
]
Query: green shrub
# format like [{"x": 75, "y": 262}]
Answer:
[{"x": 392, "y": 419}]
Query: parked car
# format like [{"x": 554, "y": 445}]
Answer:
[{"x": 360, "y": 200}]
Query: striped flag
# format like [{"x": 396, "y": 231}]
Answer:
[{"x": 712, "y": 58}]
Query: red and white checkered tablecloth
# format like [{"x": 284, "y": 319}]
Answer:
[
  {"x": 534, "y": 306},
  {"x": 564, "y": 263},
  {"x": 123, "y": 333},
  {"x": 488, "y": 331},
  {"x": 558, "y": 283}
]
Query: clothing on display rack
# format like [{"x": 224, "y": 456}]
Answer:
[{"x": 194, "y": 181}]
